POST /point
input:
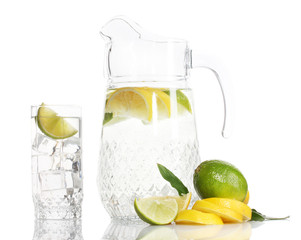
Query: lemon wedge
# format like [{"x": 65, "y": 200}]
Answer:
[
  {"x": 232, "y": 204},
  {"x": 226, "y": 214},
  {"x": 197, "y": 217},
  {"x": 246, "y": 201}
]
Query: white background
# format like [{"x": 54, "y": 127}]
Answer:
[{"x": 51, "y": 51}]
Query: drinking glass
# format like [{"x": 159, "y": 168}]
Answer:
[{"x": 56, "y": 161}]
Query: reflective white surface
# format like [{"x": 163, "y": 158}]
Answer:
[
  {"x": 253, "y": 230},
  {"x": 69, "y": 229}
]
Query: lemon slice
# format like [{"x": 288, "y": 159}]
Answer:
[
  {"x": 246, "y": 201},
  {"x": 234, "y": 205},
  {"x": 226, "y": 214},
  {"x": 131, "y": 102},
  {"x": 163, "y": 103},
  {"x": 156, "y": 211},
  {"x": 183, "y": 201},
  {"x": 53, "y": 125},
  {"x": 197, "y": 217}
]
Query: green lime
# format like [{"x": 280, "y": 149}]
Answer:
[
  {"x": 53, "y": 125},
  {"x": 216, "y": 178},
  {"x": 181, "y": 99},
  {"x": 156, "y": 211}
]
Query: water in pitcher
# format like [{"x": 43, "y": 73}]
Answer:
[{"x": 142, "y": 127}]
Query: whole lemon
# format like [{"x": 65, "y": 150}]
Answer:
[{"x": 216, "y": 178}]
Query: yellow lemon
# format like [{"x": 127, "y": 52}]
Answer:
[
  {"x": 226, "y": 214},
  {"x": 246, "y": 201},
  {"x": 197, "y": 217},
  {"x": 234, "y": 205}
]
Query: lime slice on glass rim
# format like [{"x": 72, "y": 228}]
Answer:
[
  {"x": 156, "y": 211},
  {"x": 53, "y": 125}
]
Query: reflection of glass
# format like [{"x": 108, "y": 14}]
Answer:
[
  {"x": 195, "y": 232},
  {"x": 56, "y": 161},
  {"x": 122, "y": 231},
  {"x": 58, "y": 229}
]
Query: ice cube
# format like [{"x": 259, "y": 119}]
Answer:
[
  {"x": 72, "y": 145},
  {"x": 52, "y": 180},
  {"x": 77, "y": 180},
  {"x": 71, "y": 162},
  {"x": 72, "y": 180},
  {"x": 44, "y": 162},
  {"x": 44, "y": 144}
]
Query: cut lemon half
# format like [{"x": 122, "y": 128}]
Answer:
[
  {"x": 197, "y": 217},
  {"x": 53, "y": 125},
  {"x": 183, "y": 201},
  {"x": 156, "y": 211},
  {"x": 234, "y": 205},
  {"x": 226, "y": 214}
]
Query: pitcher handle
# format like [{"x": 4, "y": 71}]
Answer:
[{"x": 201, "y": 61}]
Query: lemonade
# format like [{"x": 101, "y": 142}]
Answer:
[{"x": 142, "y": 127}]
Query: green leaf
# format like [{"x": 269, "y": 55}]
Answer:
[
  {"x": 173, "y": 180},
  {"x": 257, "y": 216}
]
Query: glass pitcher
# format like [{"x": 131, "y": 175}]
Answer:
[{"x": 149, "y": 116}]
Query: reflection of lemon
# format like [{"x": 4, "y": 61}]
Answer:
[
  {"x": 234, "y": 205},
  {"x": 197, "y": 232},
  {"x": 226, "y": 214},
  {"x": 183, "y": 201},
  {"x": 197, "y": 217},
  {"x": 53, "y": 125},
  {"x": 234, "y": 232},
  {"x": 156, "y": 211},
  {"x": 157, "y": 233}
]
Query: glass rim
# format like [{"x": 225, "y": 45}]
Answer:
[
  {"x": 58, "y": 105},
  {"x": 67, "y": 110}
]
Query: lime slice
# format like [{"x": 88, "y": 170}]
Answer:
[
  {"x": 52, "y": 125},
  {"x": 182, "y": 99},
  {"x": 156, "y": 211},
  {"x": 183, "y": 201}
]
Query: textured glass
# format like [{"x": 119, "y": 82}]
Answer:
[{"x": 56, "y": 172}]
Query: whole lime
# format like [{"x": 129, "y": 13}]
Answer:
[{"x": 216, "y": 178}]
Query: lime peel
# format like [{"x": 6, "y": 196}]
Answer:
[{"x": 156, "y": 211}]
